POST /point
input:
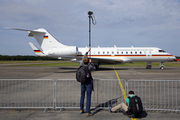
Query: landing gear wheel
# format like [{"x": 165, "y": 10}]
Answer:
[
  {"x": 162, "y": 68},
  {"x": 97, "y": 66}
]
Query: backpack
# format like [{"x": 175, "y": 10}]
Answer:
[
  {"x": 135, "y": 105},
  {"x": 83, "y": 74}
]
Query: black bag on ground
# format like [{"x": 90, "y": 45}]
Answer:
[
  {"x": 83, "y": 74},
  {"x": 135, "y": 105}
]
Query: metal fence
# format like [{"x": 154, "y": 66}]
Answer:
[
  {"x": 26, "y": 93},
  {"x": 65, "y": 93},
  {"x": 157, "y": 94},
  {"x": 105, "y": 92}
]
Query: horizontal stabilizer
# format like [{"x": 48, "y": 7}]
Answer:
[
  {"x": 26, "y": 30},
  {"x": 36, "y": 50}
]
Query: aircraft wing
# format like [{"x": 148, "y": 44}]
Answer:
[
  {"x": 106, "y": 60},
  {"x": 109, "y": 60}
]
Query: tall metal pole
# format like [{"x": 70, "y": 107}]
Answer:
[
  {"x": 94, "y": 22},
  {"x": 90, "y": 34}
]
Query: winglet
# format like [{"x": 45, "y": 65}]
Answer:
[{"x": 36, "y": 50}]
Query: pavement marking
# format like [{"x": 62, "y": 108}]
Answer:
[
  {"x": 122, "y": 89},
  {"x": 12, "y": 111},
  {"x": 133, "y": 118},
  {"x": 120, "y": 84}
]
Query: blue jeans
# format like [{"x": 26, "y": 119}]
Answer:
[{"x": 86, "y": 87}]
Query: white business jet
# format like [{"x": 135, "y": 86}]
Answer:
[{"x": 99, "y": 55}]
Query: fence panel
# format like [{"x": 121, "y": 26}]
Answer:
[
  {"x": 157, "y": 94},
  {"x": 106, "y": 92},
  {"x": 26, "y": 93},
  {"x": 64, "y": 93}
]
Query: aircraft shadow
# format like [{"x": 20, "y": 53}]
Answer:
[
  {"x": 99, "y": 69},
  {"x": 66, "y": 72},
  {"x": 73, "y": 69},
  {"x": 68, "y": 68},
  {"x": 105, "y": 69}
]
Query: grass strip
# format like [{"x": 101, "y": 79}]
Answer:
[{"x": 68, "y": 63}]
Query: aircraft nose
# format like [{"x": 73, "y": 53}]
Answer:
[{"x": 173, "y": 58}]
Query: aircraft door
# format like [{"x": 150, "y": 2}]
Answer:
[
  {"x": 148, "y": 53},
  {"x": 169, "y": 59}
]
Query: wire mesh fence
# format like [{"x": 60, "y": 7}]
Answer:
[
  {"x": 66, "y": 93},
  {"x": 26, "y": 93},
  {"x": 157, "y": 94},
  {"x": 106, "y": 92}
]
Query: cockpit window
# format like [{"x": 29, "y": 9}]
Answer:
[{"x": 161, "y": 51}]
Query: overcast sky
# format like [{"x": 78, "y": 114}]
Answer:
[{"x": 140, "y": 23}]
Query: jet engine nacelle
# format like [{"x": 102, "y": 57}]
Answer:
[{"x": 64, "y": 51}]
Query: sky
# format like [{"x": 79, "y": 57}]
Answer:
[{"x": 124, "y": 23}]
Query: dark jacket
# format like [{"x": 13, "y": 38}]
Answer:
[{"x": 91, "y": 66}]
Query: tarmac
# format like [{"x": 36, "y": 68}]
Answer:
[{"x": 126, "y": 73}]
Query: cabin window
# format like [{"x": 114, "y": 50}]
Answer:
[
  {"x": 98, "y": 52},
  {"x": 135, "y": 52},
  {"x": 140, "y": 52},
  {"x": 121, "y": 52},
  {"x": 103, "y": 52},
  {"x": 131, "y": 52},
  {"x": 107, "y": 52},
  {"x": 117, "y": 52},
  {"x": 126, "y": 52},
  {"x": 112, "y": 52}
]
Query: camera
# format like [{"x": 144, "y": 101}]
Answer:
[{"x": 90, "y": 13}]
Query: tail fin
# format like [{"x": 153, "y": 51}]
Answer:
[
  {"x": 45, "y": 40},
  {"x": 36, "y": 50}
]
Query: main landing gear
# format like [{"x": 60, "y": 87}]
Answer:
[
  {"x": 148, "y": 65},
  {"x": 97, "y": 66},
  {"x": 161, "y": 66}
]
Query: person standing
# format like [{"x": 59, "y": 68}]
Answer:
[{"x": 88, "y": 85}]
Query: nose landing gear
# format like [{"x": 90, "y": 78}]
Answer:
[{"x": 161, "y": 66}]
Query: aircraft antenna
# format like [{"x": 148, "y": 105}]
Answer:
[{"x": 90, "y": 13}]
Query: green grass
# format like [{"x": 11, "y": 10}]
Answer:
[
  {"x": 45, "y": 63},
  {"x": 52, "y": 64},
  {"x": 14, "y": 62},
  {"x": 142, "y": 64},
  {"x": 68, "y": 63}
]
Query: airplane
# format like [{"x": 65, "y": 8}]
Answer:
[{"x": 99, "y": 55}]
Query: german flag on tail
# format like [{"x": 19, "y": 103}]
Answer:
[
  {"x": 45, "y": 37},
  {"x": 37, "y": 51}
]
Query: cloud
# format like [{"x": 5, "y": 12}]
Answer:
[{"x": 121, "y": 22}]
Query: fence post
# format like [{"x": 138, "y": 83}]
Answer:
[
  {"x": 54, "y": 95},
  {"x": 126, "y": 87}
]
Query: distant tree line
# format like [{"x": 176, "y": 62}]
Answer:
[{"x": 24, "y": 58}]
